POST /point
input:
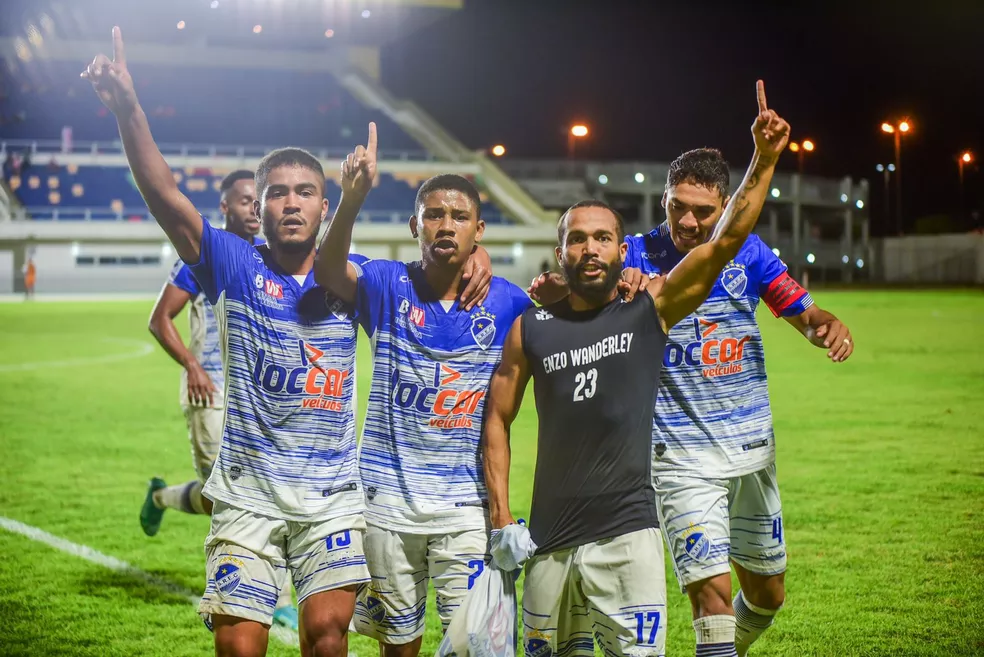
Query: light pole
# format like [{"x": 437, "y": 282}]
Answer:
[
  {"x": 897, "y": 131},
  {"x": 887, "y": 172},
  {"x": 801, "y": 149},
  {"x": 577, "y": 131},
  {"x": 965, "y": 158}
]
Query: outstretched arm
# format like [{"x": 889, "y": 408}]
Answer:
[
  {"x": 331, "y": 266},
  {"x": 172, "y": 209},
  {"x": 505, "y": 397},
  {"x": 688, "y": 284}
]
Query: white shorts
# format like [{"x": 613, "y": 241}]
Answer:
[
  {"x": 708, "y": 522},
  {"x": 248, "y": 557},
  {"x": 205, "y": 433},
  {"x": 612, "y": 591},
  {"x": 391, "y": 609}
]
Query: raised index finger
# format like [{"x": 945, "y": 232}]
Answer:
[
  {"x": 760, "y": 91},
  {"x": 371, "y": 145},
  {"x": 119, "y": 54}
]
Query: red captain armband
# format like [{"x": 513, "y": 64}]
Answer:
[{"x": 782, "y": 293}]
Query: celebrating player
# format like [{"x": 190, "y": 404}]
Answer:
[
  {"x": 714, "y": 459},
  {"x": 598, "y": 564},
  {"x": 202, "y": 380},
  {"x": 286, "y": 492},
  {"x": 434, "y": 353}
]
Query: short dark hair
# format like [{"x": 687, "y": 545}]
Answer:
[
  {"x": 705, "y": 167},
  {"x": 449, "y": 181},
  {"x": 233, "y": 178},
  {"x": 286, "y": 157},
  {"x": 591, "y": 203}
]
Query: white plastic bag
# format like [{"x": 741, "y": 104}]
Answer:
[{"x": 485, "y": 623}]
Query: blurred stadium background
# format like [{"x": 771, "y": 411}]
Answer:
[
  {"x": 885, "y": 537},
  {"x": 221, "y": 93}
]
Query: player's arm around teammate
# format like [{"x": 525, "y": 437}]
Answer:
[
  {"x": 332, "y": 268},
  {"x": 173, "y": 211}
]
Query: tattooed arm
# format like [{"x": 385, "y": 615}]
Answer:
[{"x": 688, "y": 284}]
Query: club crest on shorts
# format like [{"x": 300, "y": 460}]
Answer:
[
  {"x": 375, "y": 609},
  {"x": 229, "y": 575},
  {"x": 696, "y": 543},
  {"x": 734, "y": 280},
  {"x": 483, "y": 328},
  {"x": 538, "y": 648}
]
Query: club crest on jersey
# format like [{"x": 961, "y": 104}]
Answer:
[
  {"x": 696, "y": 543},
  {"x": 483, "y": 328},
  {"x": 734, "y": 280},
  {"x": 258, "y": 281},
  {"x": 229, "y": 575}
]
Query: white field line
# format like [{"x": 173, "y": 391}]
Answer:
[
  {"x": 94, "y": 556},
  {"x": 142, "y": 349}
]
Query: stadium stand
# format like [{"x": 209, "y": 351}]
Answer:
[
  {"x": 51, "y": 191},
  {"x": 195, "y": 105}
]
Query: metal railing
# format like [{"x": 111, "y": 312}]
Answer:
[
  {"x": 55, "y": 147},
  {"x": 55, "y": 213}
]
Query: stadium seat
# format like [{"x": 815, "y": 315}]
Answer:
[{"x": 96, "y": 192}]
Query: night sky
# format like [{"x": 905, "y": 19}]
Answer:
[{"x": 653, "y": 79}]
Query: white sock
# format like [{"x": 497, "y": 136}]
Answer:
[
  {"x": 715, "y": 636},
  {"x": 751, "y": 622},
  {"x": 186, "y": 497}
]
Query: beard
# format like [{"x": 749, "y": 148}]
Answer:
[
  {"x": 293, "y": 247},
  {"x": 597, "y": 289}
]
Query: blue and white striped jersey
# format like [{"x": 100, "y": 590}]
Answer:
[
  {"x": 288, "y": 445},
  {"x": 204, "y": 342},
  {"x": 712, "y": 413},
  {"x": 420, "y": 461}
]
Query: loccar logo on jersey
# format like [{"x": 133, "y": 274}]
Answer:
[
  {"x": 717, "y": 357},
  {"x": 320, "y": 386},
  {"x": 450, "y": 408}
]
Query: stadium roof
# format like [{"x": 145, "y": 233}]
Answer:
[{"x": 286, "y": 24}]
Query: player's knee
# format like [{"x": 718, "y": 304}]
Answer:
[
  {"x": 767, "y": 593},
  {"x": 402, "y": 650},
  {"x": 232, "y": 641},
  {"x": 711, "y": 597},
  {"x": 330, "y": 643}
]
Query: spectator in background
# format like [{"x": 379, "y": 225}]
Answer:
[{"x": 30, "y": 272}]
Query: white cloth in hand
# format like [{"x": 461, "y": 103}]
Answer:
[{"x": 511, "y": 547}]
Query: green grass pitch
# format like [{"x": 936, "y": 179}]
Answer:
[{"x": 881, "y": 464}]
